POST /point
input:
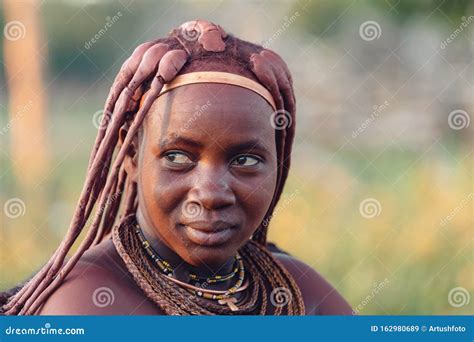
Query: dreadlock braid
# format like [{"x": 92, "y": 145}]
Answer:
[{"x": 107, "y": 188}]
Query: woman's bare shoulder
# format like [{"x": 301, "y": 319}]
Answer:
[
  {"x": 99, "y": 284},
  {"x": 319, "y": 296}
]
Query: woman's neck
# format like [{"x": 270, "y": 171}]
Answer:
[{"x": 181, "y": 268}]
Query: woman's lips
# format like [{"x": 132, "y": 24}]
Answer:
[{"x": 208, "y": 237}]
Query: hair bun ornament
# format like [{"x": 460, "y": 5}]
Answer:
[{"x": 209, "y": 35}]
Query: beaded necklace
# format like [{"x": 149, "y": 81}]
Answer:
[
  {"x": 222, "y": 297},
  {"x": 167, "y": 269},
  {"x": 263, "y": 273}
]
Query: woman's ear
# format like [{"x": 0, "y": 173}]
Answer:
[{"x": 131, "y": 158}]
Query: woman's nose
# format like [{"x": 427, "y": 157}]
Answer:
[{"x": 212, "y": 188}]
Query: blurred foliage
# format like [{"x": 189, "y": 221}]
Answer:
[
  {"x": 67, "y": 35},
  {"x": 410, "y": 243},
  {"x": 404, "y": 10},
  {"x": 67, "y": 31},
  {"x": 323, "y": 14}
]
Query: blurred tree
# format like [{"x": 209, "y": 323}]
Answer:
[
  {"x": 23, "y": 51},
  {"x": 23, "y": 54}
]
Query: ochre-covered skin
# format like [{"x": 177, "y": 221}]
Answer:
[{"x": 194, "y": 46}]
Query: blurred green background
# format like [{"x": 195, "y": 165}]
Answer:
[{"x": 380, "y": 196}]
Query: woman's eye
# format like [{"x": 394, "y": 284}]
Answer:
[
  {"x": 246, "y": 161},
  {"x": 178, "y": 158}
]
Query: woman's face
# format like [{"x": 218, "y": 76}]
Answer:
[{"x": 206, "y": 170}]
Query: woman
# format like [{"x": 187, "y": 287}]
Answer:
[{"x": 190, "y": 160}]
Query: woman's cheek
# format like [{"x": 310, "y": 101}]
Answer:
[
  {"x": 157, "y": 187},
  {"x": 256, "y": 196}
]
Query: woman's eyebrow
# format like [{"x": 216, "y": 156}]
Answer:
[
  {"x": 180, "y": 140},
  {"x": 253, "y": 144}
]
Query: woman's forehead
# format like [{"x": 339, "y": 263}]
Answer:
[
  {"x": 211, "y": 112},
  {"x": 192, "y": 96}
]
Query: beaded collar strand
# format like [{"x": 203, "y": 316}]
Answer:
[
  {"x": 264, "y": 274},
  {"x": 223, "y": 297},
  {"x": 167, "y": 269}
]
